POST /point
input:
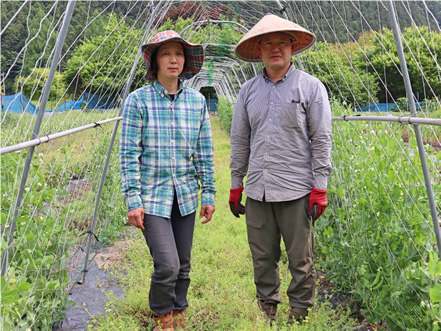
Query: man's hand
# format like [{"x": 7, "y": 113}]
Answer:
[
  {"x": 207, "y": 212},
  {"x": 319, "y": 199},
  {"x": 235, "y": 206},
  {"x": 136, "y": 218}
]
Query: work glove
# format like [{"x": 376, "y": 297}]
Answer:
[
  {"x": 317, "y": 203},
  {"x": 235, "y": 197}
]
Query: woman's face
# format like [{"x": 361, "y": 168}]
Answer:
[{"x": 170, "y": 60}]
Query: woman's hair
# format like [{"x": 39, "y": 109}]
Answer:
[{"x": 154, "y": 64}]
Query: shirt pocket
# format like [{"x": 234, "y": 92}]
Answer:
[{"x": 289, "y": 115}]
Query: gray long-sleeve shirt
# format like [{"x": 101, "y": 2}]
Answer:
[{"x": 281, "y": 136}]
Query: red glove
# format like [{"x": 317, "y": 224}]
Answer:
[
  {"x": 235, "y": 197},
  {"x": 319, "y": 199}
]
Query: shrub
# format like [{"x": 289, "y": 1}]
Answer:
[{"x": 225, "y": 111}]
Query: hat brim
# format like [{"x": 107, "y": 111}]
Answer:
[
  {"x": 194, "y": 57},
  {"x": 248, "y": 47}
]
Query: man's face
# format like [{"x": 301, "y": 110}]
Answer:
[{"x": 275, "y": 49}]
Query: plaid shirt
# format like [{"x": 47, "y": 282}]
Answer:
[{"x": 166, "y": 146}]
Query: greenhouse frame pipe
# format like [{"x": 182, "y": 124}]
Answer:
[
  {"x": 211, "y": 21},
  {"x": 112, "y": 141},
  {"x": 229, "y": 80},
  {"x": 232, "y": 69},
  {"x": 49, "y": 137},
  {"x": 229, "y": 60},
  {"x": 401, "y": 119},
  {"x": 222, "y": 81},
  {"x": 418, "y": 135},
  {"x": 36, "y": 130},
  {"x": 232, "y": 47}
]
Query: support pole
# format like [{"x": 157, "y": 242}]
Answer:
[
  {"x": 36, "y": 130},
  {"x": 112, "y": 141},
  {"x": 416, "y": 127}
]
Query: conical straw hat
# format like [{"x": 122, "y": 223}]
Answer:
[
  {"x": 247, "y": 48},
  {"x": 194, "y": 54}
]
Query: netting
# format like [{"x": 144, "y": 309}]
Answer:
[{"x": 377, "y": 239}]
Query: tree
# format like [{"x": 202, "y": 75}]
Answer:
[
  {"x": 102, "y": 63},
  {"x": 32, "y": 85},
  {"x": 341, "y": 78},
  {"x": 422, "y": 51}
]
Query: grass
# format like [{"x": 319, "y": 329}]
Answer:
[{"x": 221, "y": 294}]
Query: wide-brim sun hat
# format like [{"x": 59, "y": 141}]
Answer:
[
  {"x": 248, "y": 47},
  {"x": 194, "y": 53}
]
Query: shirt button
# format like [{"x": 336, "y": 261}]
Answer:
[
  {"x": 172, "y": 123},
  {"x": 270, "y": 119},
  {"x": 271, "y": 102},
  {"x": 274, "y": 86}
]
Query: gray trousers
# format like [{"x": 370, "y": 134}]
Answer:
[
  {"x": 170, "y": 242},
  {"x": 267, "y": 223}
]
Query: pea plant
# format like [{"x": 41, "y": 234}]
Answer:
[{"x": 376, "y": 239}]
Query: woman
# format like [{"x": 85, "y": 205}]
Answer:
[{"x": 166, "y": 148}]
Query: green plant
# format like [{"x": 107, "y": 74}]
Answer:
[
  {"x": 377, "y": 225},
  {"x": 225, "y": 111},
  {"x": 33, "y": 293}
]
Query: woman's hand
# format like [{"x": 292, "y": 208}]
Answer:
[
  {"x": 136, "y": 218},
  {"x": 207, "y": 212}
]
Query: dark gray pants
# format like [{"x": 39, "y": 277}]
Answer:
[
  {"x": 267, "y": 223},
  {"x": 170, "y": 242}
]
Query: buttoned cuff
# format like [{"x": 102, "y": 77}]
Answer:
[
  {"x": 207, "y": 199},
  {"x": 321, "y": 182},
  {"x": 133, "y": 202}
]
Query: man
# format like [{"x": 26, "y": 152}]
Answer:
[{"x": 281, "y": 136}]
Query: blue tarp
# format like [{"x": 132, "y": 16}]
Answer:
[
  {"x": 68, "y": 105},
  {"x": 17, "y": 103},
  {"x": 376, "y": 107},
  {"x": 96, "y": 101},
  {"x": 383, "y": 107}
]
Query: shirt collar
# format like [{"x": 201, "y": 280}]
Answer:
[
  {"x": 163, "y": 92},
  {"x": 287, "y": 74}
]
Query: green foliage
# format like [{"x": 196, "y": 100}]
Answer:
[
  {"x": 421, "y": 51},
  {"x": 33, "y": 84},
  {"x": 101, "y": 64},
  {"x": 340, "y": 77},
  {"x": 377, "y": 227},
  {"x": 225, "y": 110},
  {"x": 33, "y": 293},
  {"x": 50, "y": 219}
]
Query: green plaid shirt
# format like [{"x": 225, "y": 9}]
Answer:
[{"x": 166, "y": 146}]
